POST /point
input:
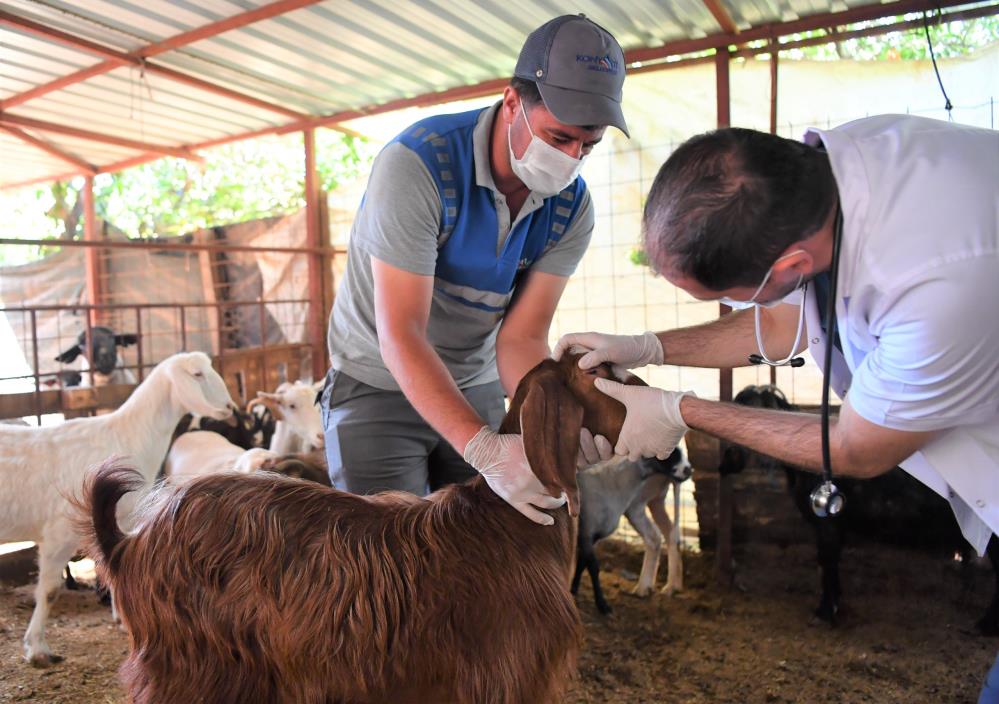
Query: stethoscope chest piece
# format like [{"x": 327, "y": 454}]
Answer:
[{"x": 827, "y": 500}]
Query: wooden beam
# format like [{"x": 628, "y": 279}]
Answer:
[
  {"x": 162, "y": 150},
  {"x": 59, "y": 400},
  {"x": 722, "y": 16},
  {"x": 50, "y": 149}
]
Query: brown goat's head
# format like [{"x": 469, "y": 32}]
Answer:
[{"x": 553, "y": 401}]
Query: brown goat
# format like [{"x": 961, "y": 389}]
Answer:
[
  {"x": 310, "y": 466},
  {"x": 260, "y": 589}
]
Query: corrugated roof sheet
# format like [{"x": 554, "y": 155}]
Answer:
[{"x": 315, "y": 59}]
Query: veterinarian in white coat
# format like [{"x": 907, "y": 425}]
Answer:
[{"x": 750, "y": 218}]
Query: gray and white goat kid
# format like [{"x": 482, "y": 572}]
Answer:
[{"x": 619, "y": 487}]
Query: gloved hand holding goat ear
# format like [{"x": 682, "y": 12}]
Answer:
[{"x": 653, "y": 425}]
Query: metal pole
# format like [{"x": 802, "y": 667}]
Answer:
[
  {"x": 34, "y": 354},
  {"x": 91, "y": 260},
  {"x": 316, "y": 327},
  {"x": 221, "y": 334},
  {"x": 138, "y": 341},
  {"x": 183, "y": 329},
  {"x": 723, "y": 556},
  {"x": 264, "y": 383},
  {"x": 89, "y": 344},
  {"x": 774, "y": 53}
]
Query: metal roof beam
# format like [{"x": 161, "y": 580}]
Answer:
[
  {"x": 49, "y": 149},
  {"x": 721, "y": 16},
  {"x": 782, "y": 29},
  {"x": 41, "y": 125},
  {"x": 264, "y": 12},
  {"x": 833, "y": 35},
  {"x": 114, "y": 58},
  {"x": 677, "y": 48}
]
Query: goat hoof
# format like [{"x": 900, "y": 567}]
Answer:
[
  {"x": 604, "y": 608},
  {"x": 43, "y": 660},
  {"x": 669, "y": 590},
  {"x": 641, "y": 592}
]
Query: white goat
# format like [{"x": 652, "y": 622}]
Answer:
[
  {"x": 610, "y": 489},
  {"x": 299, "y": 427},
  {"x": 202, "y": 452},
  {"x": 42, "y": 468}
]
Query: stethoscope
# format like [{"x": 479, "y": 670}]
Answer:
[{"x": 826, "y": 499}]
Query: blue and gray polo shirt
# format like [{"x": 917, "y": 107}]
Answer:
[{"x": 431, "y": 208}]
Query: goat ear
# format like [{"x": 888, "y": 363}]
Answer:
[
  {"x": 550, "y": 420},
  {"x": 69, "y": 355},
  {"x": 268, "y": 403},
  {"x": 126, "y": 339}
]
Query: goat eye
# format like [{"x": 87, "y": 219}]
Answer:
[
  {"x": 291, "y": 406},
  {"x": 198, "y": 374}
]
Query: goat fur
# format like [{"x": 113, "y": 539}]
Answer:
[{"x": 259, "y": 588}]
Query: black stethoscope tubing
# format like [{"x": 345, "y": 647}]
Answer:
[{"x": 826, "y": 499}]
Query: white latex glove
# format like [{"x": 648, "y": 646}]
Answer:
[
  {"x": 592, "y": 449},
  {"x": 629, "y": 351},
  {"x": 653, "y": 426},
  {"x": 501, "y": 460}
]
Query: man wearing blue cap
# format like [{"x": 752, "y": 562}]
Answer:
[{"x": 468, "y": 231}]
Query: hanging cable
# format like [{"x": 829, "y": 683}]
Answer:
[{"x": 948, "y": 106}]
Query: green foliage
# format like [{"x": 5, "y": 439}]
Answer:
[
  {"x": 950, "y": 39},
  {"x": 234, "y": 183},
  {"x": 638, "y": 257},
  {"x": 241, "y": 181}
]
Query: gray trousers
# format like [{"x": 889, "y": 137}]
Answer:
[{"x": 375, "y": 440}]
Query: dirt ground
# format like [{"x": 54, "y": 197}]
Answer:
[{"x": 907, "y": 635}]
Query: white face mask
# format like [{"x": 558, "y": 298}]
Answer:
[
  {"x": 543, "y": 168},
  {"x": 740, "y": 305}
]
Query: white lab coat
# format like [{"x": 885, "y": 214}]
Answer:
[{"x": 917, "y": 298}]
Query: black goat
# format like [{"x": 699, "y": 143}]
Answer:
[
  {"x": 246, "y": 429},
  {"x": 893, "y": 506},
  {"x": 101, "y": 354}
]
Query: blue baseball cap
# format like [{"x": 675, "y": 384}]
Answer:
[{"x": 579, "y": 69}]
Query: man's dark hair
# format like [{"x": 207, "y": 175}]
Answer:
[
  {"x": 727, "y": 203},
  {"x": 527, "y": 90}
]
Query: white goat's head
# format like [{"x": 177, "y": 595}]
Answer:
[
  {"x": 297, "y": 405},
  {"x": 197, "y": 388}
]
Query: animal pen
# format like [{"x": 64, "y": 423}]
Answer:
[{"x": 256, "y": 296}]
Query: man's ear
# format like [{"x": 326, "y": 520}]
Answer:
[
  {"x": 799, "y": 262},
  {"x": 510, "y": 105},
  {"x": 550, "y": 421}
]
